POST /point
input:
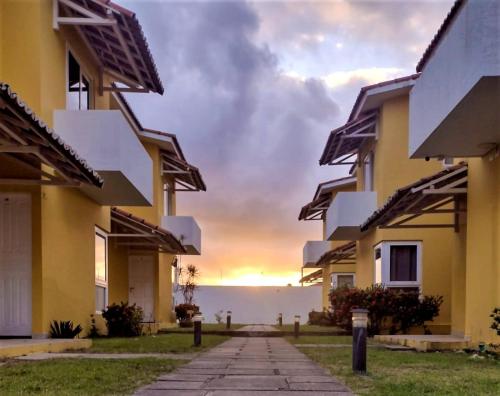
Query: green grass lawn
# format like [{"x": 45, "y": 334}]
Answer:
[
  {"x": 412, "y": 373},
  {"x": 308, "y": 328},
  {"x": 81, "y": 376},
  {"x": 209, "y": 327},
  {"x": 163, "y": 343}
]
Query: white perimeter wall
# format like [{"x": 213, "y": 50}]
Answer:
[{"x": 257, "y": 304}]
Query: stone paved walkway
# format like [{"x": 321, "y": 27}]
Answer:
[
  {"x": 256, "y": 328},
  {"x": 248, "y": 367}
]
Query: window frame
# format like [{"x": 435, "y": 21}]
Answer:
[
  {"x": 335, "y": 277},
  {"x": 368, "y": 171},
  {"x": 83, "y": 74},
  {"x": 98, "y": 282},
  {"x": 385, "y": 264},
  {"x": 168, "y": 196}
]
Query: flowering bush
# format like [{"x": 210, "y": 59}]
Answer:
[
  {"x": 388, "y": 309},
  {"x": 496, "y": 320},
  {"x": 123, "y": 320},
  {"x": 320, "y": 318},
  {"x": 186, "y": 311}
]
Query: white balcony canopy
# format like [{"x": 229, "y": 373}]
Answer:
[
  {"x": 454, "y": 105},
  {"x": 347, "y": 212},
  {"x": 111, "y": 147},
  {"x": 186, "y": 230},
  {"x": 312, "y": 252}
]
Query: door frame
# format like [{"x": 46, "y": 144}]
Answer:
[
  {"x": 153, "y": 283},
  {"x": 29, "y": 300}
]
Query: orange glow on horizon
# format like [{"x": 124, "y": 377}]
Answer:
[{"x": 243, "y": 278}]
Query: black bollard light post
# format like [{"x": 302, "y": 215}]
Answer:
[
  {"x": 359, "y": 334},
  {"x": 280, "y": 319},
  {"x": 197, "y": 329},
  {"x": 296, "y": 326},
  {"x": 228, "y": 320}
]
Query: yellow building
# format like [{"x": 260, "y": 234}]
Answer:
[
  {"x": 454, "y": 115},
  {"x": 79, "y": 234},
  {"x": 374, "y": 141},
  {"x": 333, "y": 261}
]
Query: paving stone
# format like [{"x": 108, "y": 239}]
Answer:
[
  {"x": 205, "y": 371},
  {"x": 173, "y": 392},
  {"x": 186, "y": 377},
  {"x": 276, "y": 393},
  {"x": 292, "y": 372},
  {"x": 248, "y": 382},
  {"x": 176, "y": 385},
  {"x": 310, "y": 378},
  {"x": 318, "y": 386},
  {"x": 201, "y": 364},
  {"x": 243, "y": 371}
]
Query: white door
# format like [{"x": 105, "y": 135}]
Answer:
[
  {"x": 141, "y": 277},
  {"x": 15, "y": 264}
]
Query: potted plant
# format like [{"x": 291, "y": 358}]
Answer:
[{"x": 187, "y": 284}]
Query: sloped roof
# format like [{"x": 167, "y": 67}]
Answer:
[
  {"x": 338, "y": 255},
  {"x": 312, "y": 277},
  {"x": 412, "y": 199},
  {"x": 443, "y": 29},
  {"x": 315, "y": 209},
  {"x": 346, "y": 140},
  {"x": 21, "y": 128},
  {"x": 120, "y": 48},
  {"x": 150, "y": 235}
]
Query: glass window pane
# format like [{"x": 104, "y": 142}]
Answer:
[
  {"x": 345, "y": 281},
  {"x": 403, "y": 263},
  {"x": 100, "y": 258},
  {"x": 73, "y": 90},
  {"x": 378, "y": 266},
  {"x": 85, "y": 95},
  {"x": 100, "y": 298}
]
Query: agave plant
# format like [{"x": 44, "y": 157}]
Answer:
[{"x": 64, "y": 329}]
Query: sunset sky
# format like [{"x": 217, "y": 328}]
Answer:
[{"x": 252, "y": 91}]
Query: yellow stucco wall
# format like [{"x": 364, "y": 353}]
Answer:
[
  {"x": 482, "y": 279},
  {"x": 33, "y": 62},
  {"x": 392, "y": 170}
]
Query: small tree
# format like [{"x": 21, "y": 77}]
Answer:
[{"x": 188, "y": 277}]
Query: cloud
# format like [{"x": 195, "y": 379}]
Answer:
[
  {"x": 252, "y": 91},
  {"x": 356, "y": 34},
  {"x": 255, "y": 132},
  {"x": 369, "y": 75}
]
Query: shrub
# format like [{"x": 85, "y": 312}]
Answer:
[
  {"x": 64, "y": 329},
  {"x": 93, "y": 331},
  {"x": 218, "y": 316},
  {"x": 319, "y": 318},
  {"x": 388, "y": 309},
  {"x": 181, "y": 311},
  {"x": 495, "y": 325},
  {"x": 123, "y": 320}
]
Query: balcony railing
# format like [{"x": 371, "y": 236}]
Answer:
[
  {"x": 454, "y": 104},
  {"x": 347, "y": 212},
  {"x": 312, "y": 252},
  {"x": 110, "y": 146},
  {"x": 186, "y": 230}
]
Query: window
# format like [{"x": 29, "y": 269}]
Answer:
[
  {"x": 101, "y": 271},
  {"x": 342, "y": 280},
  {"x": 378, "y": 266},
  {"x": 398, "y": 264},
  {"x": 78, "y": 90},
  {"x": 168, "y": 200},
  {"x": 403, "y": 263},
  {"x": 368, "y": 172}
]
